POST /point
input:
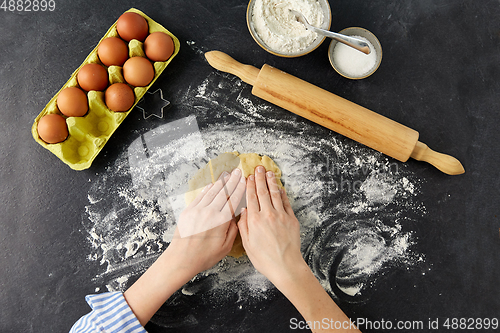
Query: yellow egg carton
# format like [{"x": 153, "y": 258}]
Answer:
[{"x": 88, "y": 134}]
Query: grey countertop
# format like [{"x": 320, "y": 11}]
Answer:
[{"x": 410, "y": 244}]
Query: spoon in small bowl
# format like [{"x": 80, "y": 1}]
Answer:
[{"x": 356, "y": 43}]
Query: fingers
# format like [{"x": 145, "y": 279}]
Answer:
[
  {"x": 201, "y": 195},
  {"x": 261, "y": 188},
  {"x": 252, "y": 201},
  {"x": 213, "y": 192},
  {"x": 235, "y": 198},
  {"x": 286, "y": 203},
  {"x": 228, "y": 190},
  {"x": 274, "y": 191}
]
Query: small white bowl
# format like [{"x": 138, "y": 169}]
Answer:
[
  {"x": 355, "y": 31},
  {"x": 317, "y": 42}
]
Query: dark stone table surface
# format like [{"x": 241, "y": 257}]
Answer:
[{"x": 440, "y": 75}]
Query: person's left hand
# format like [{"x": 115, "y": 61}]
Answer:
[
  {"x": 206, "y": 228},
  {"x": 187, "y": 256}
]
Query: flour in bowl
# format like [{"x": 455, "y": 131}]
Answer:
[{"x": 278, "y": 28}]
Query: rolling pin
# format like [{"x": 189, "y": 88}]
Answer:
[{"x": 335, "y": 113}]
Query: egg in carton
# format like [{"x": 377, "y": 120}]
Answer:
[{"x": 88, "y": 134}]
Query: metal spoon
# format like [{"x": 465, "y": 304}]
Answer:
[{"x": 356, "y": 43}]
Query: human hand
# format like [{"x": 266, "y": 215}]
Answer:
[
  {"x": 269, "y": 230},
  {"x": 210, "y": 218},
  {"x": 271, "y": 237},
  {"x": 206, "y": 228}
]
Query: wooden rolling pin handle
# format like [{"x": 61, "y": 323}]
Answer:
[
  {"x": 320, "y": 106},
  {"x": 446, "y": 163},
  {"x": 225, "y": 63}
]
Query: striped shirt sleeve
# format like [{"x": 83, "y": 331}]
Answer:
[{"x": 110, "y": 313}]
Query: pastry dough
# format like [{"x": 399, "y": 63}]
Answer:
[{"x": 228, "y": 162}]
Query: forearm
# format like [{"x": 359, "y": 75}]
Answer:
[
  {"x": 305, "y": 292},
  {"x": 155, "y": 286}
]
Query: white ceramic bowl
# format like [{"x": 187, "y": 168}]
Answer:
[
  {"x": 325, "y": 6},
  {"x": 355, "y": 31}
]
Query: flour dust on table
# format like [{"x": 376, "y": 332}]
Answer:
[{"x": 355, "y": 206}]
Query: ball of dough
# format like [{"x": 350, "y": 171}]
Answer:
[{"x": 228, "y": 162}]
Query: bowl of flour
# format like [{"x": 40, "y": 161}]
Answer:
[{"x": 277, "y": 31}]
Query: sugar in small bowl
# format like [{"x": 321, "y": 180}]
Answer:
[{"x": 351, "y": 63}]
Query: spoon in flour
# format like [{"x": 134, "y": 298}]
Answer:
[{"x": 356, "y": 43}]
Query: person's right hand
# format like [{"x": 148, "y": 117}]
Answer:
[
  {"x": 270, "y": 234},
  {"x": 269, "y": 230}
]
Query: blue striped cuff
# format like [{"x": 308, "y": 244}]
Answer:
[{"x": 110, "y": 313}]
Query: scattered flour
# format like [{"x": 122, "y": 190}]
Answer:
[{"x": 353, "y": 203}]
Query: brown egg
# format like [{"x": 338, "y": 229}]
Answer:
[
  {"x": 159, "y": 46},
  {"x": 72, "y": 102},
  {"x": 113, "y": 51},
  {"x": 138, "y": 71},
  {"x": 132, "y": 26},
  {"x": 92, "y": 77},
  {"x": 119, "y": 97},
  {"x": 52, "y": 128}
]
